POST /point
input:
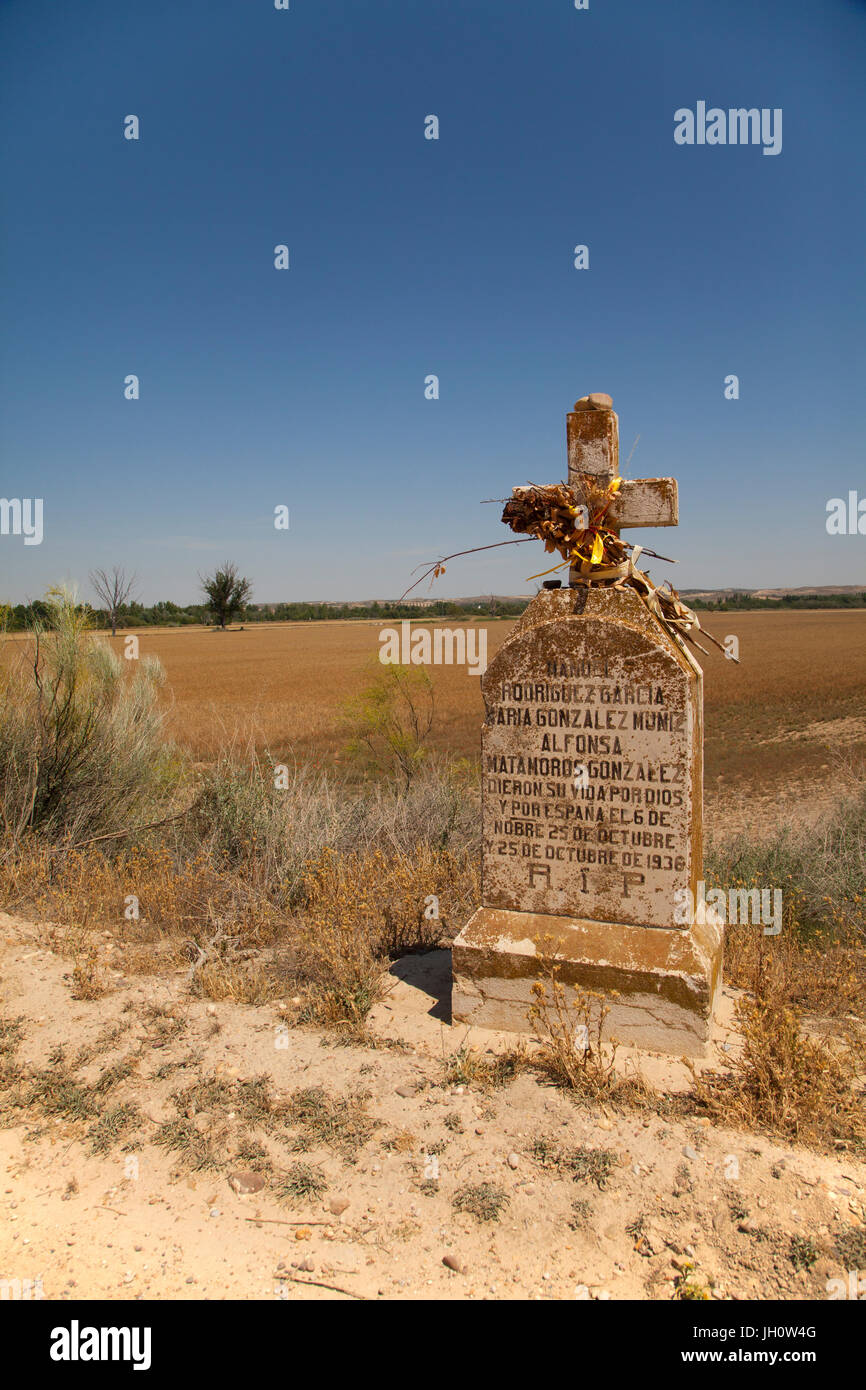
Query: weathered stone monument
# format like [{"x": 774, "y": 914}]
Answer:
[{"x": 592, "y": 765}]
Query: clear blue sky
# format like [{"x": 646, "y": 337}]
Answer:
[{"x": 411, "y": 257}]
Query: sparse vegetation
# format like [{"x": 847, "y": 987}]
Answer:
[
  {"x": 11, "y": 1033},
  {"x": 113, "y": 1125},
  {"x": 818, "y": 958},
  {"x": 56, "y": 1092},
  {"x": 88, "y": 982},
  {"x": 301, "y": 1183},
  {"x": 194, "y": 1148},
  {"x": 581, "y": 1214},
  {"x": 574, "y": 1051},
  {"x": 690, "y": 1287},
  {"x": 358, "y": 912},
  {"x": 803, "y": 1252},
  {"x": 579, "y": 1163},
  {"x": 785, "y": 1080},
  {"x": 467, "y": 1066},
  {"x": 484, "y": 1200},
  {"x": 341, "y": 1123},
  {"x": 851, "y": 1247}
]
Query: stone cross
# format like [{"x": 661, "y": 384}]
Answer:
[
  {"x": 592, "y": 755},
  {"x": 592, "y": 431}
]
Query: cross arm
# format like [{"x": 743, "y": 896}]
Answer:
[{"x": 645, "y": 502}]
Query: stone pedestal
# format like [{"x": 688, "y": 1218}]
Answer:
[
  {"x": 661, "y": 984},
  {"x": 591, "y": 795}
]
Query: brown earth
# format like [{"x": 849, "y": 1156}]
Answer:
[
  {"x": 728, "y": 1210},
  {"x": 777, "y": 722},
  {"x": 779, "y": 719},
  {"x": 781, "y": 727}
]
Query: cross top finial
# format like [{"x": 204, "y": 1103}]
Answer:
[{"x": 596, "y": 400}]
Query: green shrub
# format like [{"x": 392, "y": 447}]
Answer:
[{"x": 81, "y": 748}]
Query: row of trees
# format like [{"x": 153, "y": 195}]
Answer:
[
  {"x": 742, "y": 601},
  {"x": 226, "y": 596}
]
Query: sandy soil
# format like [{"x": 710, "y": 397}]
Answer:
[{"x": 139, "y": 1224}]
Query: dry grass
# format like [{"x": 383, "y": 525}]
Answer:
[
  {"x": 248, "y": 982},
  {"x": 341, "y": 1123},
  {"x": 792, "y": 1078},
  {"x": 363, "y": 909},
  {"x": 486, "y": 1201},
  {"x": 818, "y": 958},
  {"x": 581, "y": 1164},
  {"x": 56, "y": 1091},
  {"x": 115, "y": 1124},
  {"x": 468, "y": 1066},
  {"x": 824, "y": 976},
  {"x": 181, "y": 903},
  {"x": 354, "y": 912},
  {"x": 787, "y": 1081},
  {"x": 302, "y": 1182},
  {"x": 574, "y": 1052},
  {"x": 203, "y": 1132},
  {"x": 88, "y": 981}
]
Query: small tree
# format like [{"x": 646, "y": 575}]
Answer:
[
  {"x": 113, "y": 590},
  {"x": 227, "y": 593},
  {"x": 392, "y": 719}
]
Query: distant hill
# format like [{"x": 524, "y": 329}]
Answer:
[
  {"x": 430, "y": 601},
  {"x": 818, "y": 590},
  {"x": 712, "y": 595}
]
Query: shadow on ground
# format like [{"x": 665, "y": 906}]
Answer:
[{"x": 430, "y": 975}]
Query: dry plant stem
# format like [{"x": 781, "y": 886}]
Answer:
[
  {"x": 137, "y": 829},
  {"x": 571, "y": 1031},
  {"x": 317, "y": 1284},
  {"x": 437, "y": 566},
  {"x": 276, "y": 1221}
]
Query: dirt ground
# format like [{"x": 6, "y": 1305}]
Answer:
[{"x": 595, "y": 1203}]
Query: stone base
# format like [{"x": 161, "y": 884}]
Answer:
[{"x": 666, "y": 979}]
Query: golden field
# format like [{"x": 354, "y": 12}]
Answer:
[{"x": 792, "y": 708}]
